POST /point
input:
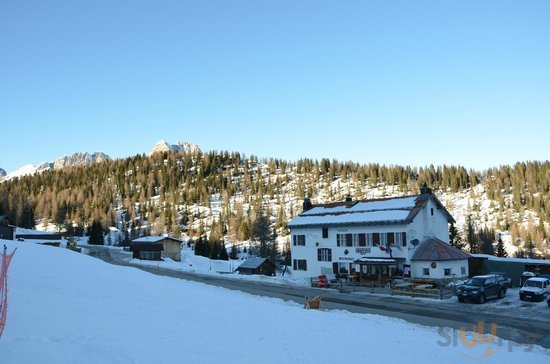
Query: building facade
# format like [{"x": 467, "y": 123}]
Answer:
[{"x": 375, "y": 239}]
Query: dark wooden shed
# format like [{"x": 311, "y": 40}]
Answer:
[
  {"x": 261, "y": 266},
  {"x": 146, "y": 251}
]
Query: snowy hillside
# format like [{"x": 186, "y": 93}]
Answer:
[{"x": 65, "y": 307}]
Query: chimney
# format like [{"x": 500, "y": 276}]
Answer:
[
  {"x": 348, "y": 198},
  {"x": 425, "y": 190},
  {"x": 307, "y": 204}
]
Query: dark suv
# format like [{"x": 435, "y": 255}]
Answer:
[{"x": 481, "y": 288}]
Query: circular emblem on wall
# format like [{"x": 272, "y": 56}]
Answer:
[{"x": 434, "y": 265}]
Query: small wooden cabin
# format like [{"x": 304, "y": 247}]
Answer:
[
  {"x": 261, "y": 266},
  {"x": 171, "y": 246},
  {"x": 146, "y": 251}
]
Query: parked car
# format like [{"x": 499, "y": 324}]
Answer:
[
  {"x": 481, "y": 288},
  {"x": 535, "y": 289}
]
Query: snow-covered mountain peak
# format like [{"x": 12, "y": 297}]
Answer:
[
  {"x": 79, "y": 159},
  {"x": 180, "y": 147}
]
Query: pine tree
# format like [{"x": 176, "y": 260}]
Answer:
[
  {"x": 501, "y": 251},
  {"x": 95, "y": 233},
  {"x": 233, "y": 252},
  {"x": 262, "y": 234},
  {"x": 454, "y": 238},
  {"x": 471, "y": 236}
]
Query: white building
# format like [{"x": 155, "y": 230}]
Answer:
[{"x": 372, "y": 240}]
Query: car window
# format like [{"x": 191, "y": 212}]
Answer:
[
  {"x": 490, "y": 281},
  {"x": 531, "y": 283}
]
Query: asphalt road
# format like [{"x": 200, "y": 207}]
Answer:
[{"x": 448, "y": 322}]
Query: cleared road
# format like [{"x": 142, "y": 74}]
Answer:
[{"x": 509, "y": 327}]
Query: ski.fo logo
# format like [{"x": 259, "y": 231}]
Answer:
[{"x": 479, "y": 343}]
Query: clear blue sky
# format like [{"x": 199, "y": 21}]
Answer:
[{"x": 395, "y": 82}]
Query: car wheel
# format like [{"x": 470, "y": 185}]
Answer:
[
  {"x": 481, "y": 299},
  {"x": 501, "y": 293}
]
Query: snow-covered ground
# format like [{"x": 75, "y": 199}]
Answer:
[{"x": 66, "y": 307}]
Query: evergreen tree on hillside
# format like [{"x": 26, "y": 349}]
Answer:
[
  {"x": 471, "y": 236},
  {"x": 261, "y": 233},
  {"x": 454, "y": 238},
  {"x": 233, "y": 252},
  {"x": 501, "y": 251},
  {"x": 530, "y": 247},
  {"x": 95, "y": 233}
]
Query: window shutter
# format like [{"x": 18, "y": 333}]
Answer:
[
  {"x": 335, "y": 268},
  {"x": 293, "y": 239},
  {"x": 305, "y": 264},
  {"x": 375, "y": 238},
  {"x": 362, "y": 239},
  {"x": 349, "y": 239},
  {"x": 325, "y": 232},
  {"x": 294, "y": 265},
  {"x": 330, "y": 255},
  {"x": 404, "y": 239},
  {"x": 319, "y": 255},
  {"x": 391, "y": 238},
  {"x": 338, "y": 239}
]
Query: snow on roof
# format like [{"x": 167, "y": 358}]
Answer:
[
  {"x": 351, "y": 218},
  {"x": 538, "y": 279},
  {"x": 405, "y": 203},
  {"x": 252, "y": 263},
  {"x": 517, "y": 260},
  {"x": 153, "y": 239}
]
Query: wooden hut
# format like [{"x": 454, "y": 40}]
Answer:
[
  {"x": 171, "y": 246},
  {"x": 146, "y": 251},
  {"x": 261, "y": 266}
]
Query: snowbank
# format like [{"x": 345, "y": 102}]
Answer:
[{"x": 67, "y": 307}]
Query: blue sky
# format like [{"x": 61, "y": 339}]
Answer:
[{"x": 394, "y": 82}]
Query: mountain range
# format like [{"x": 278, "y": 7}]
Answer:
[{"x": 84, "y": 158}]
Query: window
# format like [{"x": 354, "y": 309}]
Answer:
[
  {"x": 426, "y": 271},
  {"x": 325, "y": 233},
  {"x": 383, "y": 239},
  {"x": 340, "y": 240},
  {"x": 340, "y": 268},
  {"x": 324, "y": 255},
  {"x": 401, "y": 239},
  {"x": 447, "y": 271},
  {"x": 298, "y": 240},
  {"x": 432, "y": 210},
  {"x": 369, "y": 239},
  {"x": 362, "y": 239},
  {"x": 375, "y": 239},
  {"x": 391, "y": 238},
  {"x": 463, "y": 271},
  {"x": 349, "y": 239},
  {"x": 299, "y": 264}
]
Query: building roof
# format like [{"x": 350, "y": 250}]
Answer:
[
  {"x": 154, "y": 239},
  {"x": 148, "y": 247},
  {"x": 433, "y": 249},
  {"x": 514, "y": 260},
  {"x": 393, "y": 210},
  {"x": 254, "y": 263}
]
